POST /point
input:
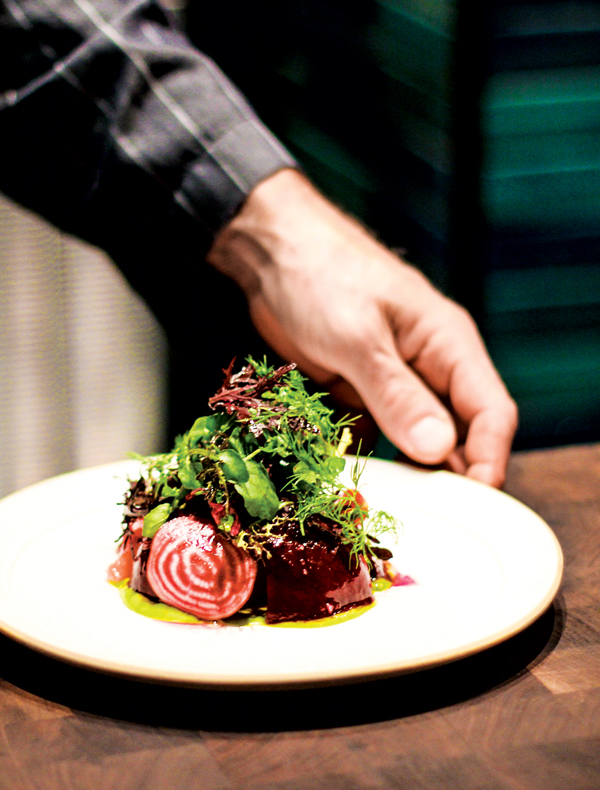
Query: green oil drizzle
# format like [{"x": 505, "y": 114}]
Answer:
[
  {"x": 161, "y": 611},
  {"x": 248, "y": 617},
  {"x": 158, "y": 611},
  {"x": 381, "y": 584},
  {"x": 324, "y": 622}
]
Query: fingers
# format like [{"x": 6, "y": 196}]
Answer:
[
  {"x": 415, "y": 420},
  {"x": 489, "y": 441},
  {"x": 480, "y": 402},
  {"x": 406, "y": 410},
  {"x": 403, "y": 407},
  {"x": 429, "y": 439},
  {"x": 485, "y": 455},
  {"x": 404, "y": 403}
]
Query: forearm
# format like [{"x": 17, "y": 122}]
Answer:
[
  {"x": 127, "y": 137},
  {"x": 107, "y": 104}
]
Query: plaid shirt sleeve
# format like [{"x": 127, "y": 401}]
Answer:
[{"x": 113, "y": 124}]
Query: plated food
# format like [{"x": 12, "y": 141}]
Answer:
[{"x": 246, "y": 517}]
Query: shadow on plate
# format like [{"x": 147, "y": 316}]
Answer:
[{"x": 273, "y": 711}]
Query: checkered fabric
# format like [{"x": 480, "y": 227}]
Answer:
[{"x": 106, "y": 98}]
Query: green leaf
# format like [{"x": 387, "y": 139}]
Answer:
[
  {"x": 167, "y": 491},
  {"x": 306, "y": 473},
  {"x": 187, "y": 474},
  {"x": 335, "y": 465},
  {"x": 206, "y": 427},
  {"x": 233, "y": 466},
  {"x": 154, "y": 520},
  {"x": 259, "y": 494}
]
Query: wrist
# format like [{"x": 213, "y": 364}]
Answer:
[
  {"x": 284, "y": 223},
  {"x": 286, "y": 228},
  {"x": 252, "y": 237}
]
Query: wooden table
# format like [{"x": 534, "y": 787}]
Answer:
[{"x": 525, "y": 714}]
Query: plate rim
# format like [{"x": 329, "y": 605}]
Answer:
[{"x": 294, "y": 679}]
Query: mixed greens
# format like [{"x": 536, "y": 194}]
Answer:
[{"x": 269, "y": 455}]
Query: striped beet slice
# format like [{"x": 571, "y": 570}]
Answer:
[{"x": 193, "y": 567}]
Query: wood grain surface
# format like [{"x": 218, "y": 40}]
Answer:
[{"x": 524, "y": 714}]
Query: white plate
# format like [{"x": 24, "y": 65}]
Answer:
[{"x": 485, "y": 565}]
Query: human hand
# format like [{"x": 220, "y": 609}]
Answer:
[{"x": 355, "y": 317}]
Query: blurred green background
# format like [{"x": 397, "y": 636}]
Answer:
[{"x": 466, "y": 134}]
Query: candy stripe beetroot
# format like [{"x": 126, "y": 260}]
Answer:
[
  {"x": 261, "y": 470},
  {"x": 193, "y": 567}
]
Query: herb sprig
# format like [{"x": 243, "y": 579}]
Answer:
[{"x": 269, "y": 455}]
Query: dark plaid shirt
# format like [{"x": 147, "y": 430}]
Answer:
[
  {"x": 116, "y": 129},
  {"x": 113, "y": 82}
]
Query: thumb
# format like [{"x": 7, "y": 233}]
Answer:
[{"x": 407, "y": 412}]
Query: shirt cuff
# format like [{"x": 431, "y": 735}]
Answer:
[{"x": 218, "y": 182}]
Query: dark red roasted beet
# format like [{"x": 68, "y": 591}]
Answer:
[
  {"x": 195, "y": 568},
  {"x": 139, "y": 576},
  {"x": 313, "y": 576}
]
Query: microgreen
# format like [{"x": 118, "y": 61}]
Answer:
[{"x": 269, "y": 454}]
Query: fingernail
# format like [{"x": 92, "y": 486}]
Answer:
[{"x": 431, "y": 439}]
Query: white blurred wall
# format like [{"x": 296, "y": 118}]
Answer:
[{"x": 82, "y": 359}]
